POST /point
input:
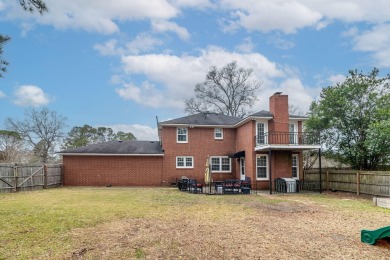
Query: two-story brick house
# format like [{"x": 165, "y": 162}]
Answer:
[{"x": 263, "y": 146}]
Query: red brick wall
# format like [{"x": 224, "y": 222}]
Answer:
[
  {"x": 246, "y": 142},
  {"x": 278, "y": 106},
  {"x": 113, "y": 170},
  {"x": 201, "y": 144},
  {"x": 281, "y": 167}
]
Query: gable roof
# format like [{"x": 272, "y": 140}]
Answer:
[
  {"x": 215, "y": 119},
  {"x": 117, "y": 148},
  {"x": 204, "y": 119}
]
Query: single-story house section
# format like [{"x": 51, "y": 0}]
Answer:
[{"x": 116, "y": 163}]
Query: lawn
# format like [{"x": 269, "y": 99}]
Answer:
[{"x": 163, "y": 223}]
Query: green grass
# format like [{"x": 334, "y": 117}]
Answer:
[{"x": 37, "y": 224}]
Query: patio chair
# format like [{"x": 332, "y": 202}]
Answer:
[{"x": 194, "y": 186}]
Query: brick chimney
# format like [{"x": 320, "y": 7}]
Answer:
[{"x": 278, "y": 106}]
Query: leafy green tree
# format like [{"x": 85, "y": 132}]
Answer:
[
  {"x": 125, "y": 136},
  {"x": 230, "y": 90},
  {"x": 352, "y": 117},
  {"x": 85, "y": 135},
  {"x": 28, "y": 5},
  {"x": 41, "y": 129}
]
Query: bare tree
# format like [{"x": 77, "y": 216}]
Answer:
[
  {"x": 10, "y": 146},
  {"x": 41, "y": 129},
  {"x": 230, "y": 91},
  {"x": 295, "y": 110}
]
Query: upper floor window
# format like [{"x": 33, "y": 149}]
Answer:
[
  {"x": 220, "y": 164},
  {"x": 182, "y": 135},
  {"x": 184, "y": 162},
  {"x": 262, "y": 167},
  {"x": 218, "y": 133}
]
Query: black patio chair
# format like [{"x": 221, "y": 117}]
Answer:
[{"x": 194, "y": 186}]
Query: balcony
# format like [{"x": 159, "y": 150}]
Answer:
[{"x": 298, "y": 140}]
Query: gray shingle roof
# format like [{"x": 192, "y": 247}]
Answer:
[
  {"x": 204, "y": 119},
  {"x": 262, "y": 113},
  {"x": 118, "y": 147}
]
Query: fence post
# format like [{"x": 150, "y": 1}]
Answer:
[
  {"x": 15, "y": 189},
  {"x": 327, "y": 180},
  {"x": 358, "y": 183},
  {"x": 45, "y": 176}
]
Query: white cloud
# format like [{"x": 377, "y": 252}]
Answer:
[
  {"x": 146, "y": 95},
  {"x": 142, "y": 43},
  {"x": 199, "y": 4},
  {"x": 246, "y": 45},
  {"x": 2, "y": 94},
  {"x": 334, "y": 79},
  {"x": 289, "y": 16},
  {"x": 298, "y": 95},
  {"x": 377, "y": 41},
  {"x": 265, "y": 16},
  {"x": 166, "y": 26},
  {"x": 29, "y": 95},
  {"x": 141, "y": 132},
  {"x": 94, "y": 15},
  {"x": 176, "y": 76},
  {"x": 109, "y": 48}
]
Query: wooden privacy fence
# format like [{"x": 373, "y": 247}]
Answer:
[
  {"x": 372, "y": 183},
  {"x": 15, "y": 178}
]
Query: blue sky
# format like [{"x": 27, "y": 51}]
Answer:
[{"x": 122, "y": 63}]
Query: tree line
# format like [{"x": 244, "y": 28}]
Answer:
[{"x": 41, "y": 132}]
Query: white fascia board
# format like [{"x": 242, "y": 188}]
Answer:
[
  {"x": 204, "y": 126},
  {"x": 298, "y": 118},
  {"x": 250, "y": 118},
  {"x": 287, "y": 147},
  {"x": 108, "y": 154}
]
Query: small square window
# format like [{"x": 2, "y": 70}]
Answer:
[
  {"x": 218, "y": 133},
  {"x": 182, "y": 135}
]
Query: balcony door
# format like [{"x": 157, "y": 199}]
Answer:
[
  {"x": 261, "y": 133},
  {"x": 293, "y": 130}
]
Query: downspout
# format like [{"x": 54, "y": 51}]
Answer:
[
  {"x": 320, "y": 170},
  {"x": 270, "y": 170}
]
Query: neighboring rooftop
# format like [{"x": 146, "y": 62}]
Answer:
[
  {"x": 203, "y": 119},
  {"x": 118, "y": 147}
]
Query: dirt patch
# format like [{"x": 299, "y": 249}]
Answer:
[{"x": 294, "y": 229}]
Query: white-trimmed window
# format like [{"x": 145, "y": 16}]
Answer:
[
  {"x": 218, "y": 133},
  {"x": 295, "y": 166},
  {"x": 262, "y": 167},
  {"x": 182, "y": 135},
  {"x": 221, "y": 164},
  {"x": 184, "y": 162}
]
